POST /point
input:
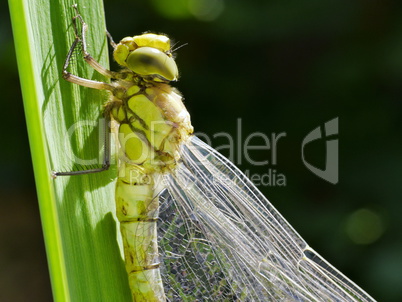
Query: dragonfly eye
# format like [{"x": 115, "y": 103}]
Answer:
[{"x": 149, "y": 61}]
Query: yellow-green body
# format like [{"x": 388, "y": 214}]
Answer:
[{"x": 152, "y": 124}]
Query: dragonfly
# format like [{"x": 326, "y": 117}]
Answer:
[{"x": 194, "y": 227}]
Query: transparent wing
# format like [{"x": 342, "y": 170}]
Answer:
[{"x": 221, "y": 240}]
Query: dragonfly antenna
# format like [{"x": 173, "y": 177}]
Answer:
[{"x": 178, "y": 47}]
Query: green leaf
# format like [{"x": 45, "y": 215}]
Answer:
[{"x": 82, "y": 243}]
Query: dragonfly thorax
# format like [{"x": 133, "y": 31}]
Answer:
[
  {"x": 148, "y": 56},
  {"x": 153, "y": 123}
]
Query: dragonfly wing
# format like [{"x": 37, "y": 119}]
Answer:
[
  {"x": 222, "y": 240},
  {"x": 189, "y": 268}
]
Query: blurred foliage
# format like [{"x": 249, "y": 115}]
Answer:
[{"x": 280, "y": 66}]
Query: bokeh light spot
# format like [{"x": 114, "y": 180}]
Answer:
[
  {"x": 203, "y": 10},
  {"x": 206, "y": 10},
  {"x": 172, "y": 9},
  {"x": 364, "y": 226}
]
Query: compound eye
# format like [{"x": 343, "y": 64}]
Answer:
[{"x": 148, "y": 61}]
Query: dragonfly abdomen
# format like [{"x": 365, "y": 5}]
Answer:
[{"x": 137, "y": 211}]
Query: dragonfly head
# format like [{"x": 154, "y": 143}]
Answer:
[{"x": 149, "y": 56}]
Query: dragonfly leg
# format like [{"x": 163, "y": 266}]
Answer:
[
  {"x": 106, "y": 156},
  {"x": 78, "y": 80},
  {"x": 87, "y": 56},
  {"x": 111, "y": 42},
  {"x": 80, "y": 38}
]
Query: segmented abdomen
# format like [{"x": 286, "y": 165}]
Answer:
[{"x": 137, "y": 211}]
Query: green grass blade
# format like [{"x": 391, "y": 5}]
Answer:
[{"x": 77, "y": 213}]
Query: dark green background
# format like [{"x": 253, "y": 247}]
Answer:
[{"x": 280, "y": 66}]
